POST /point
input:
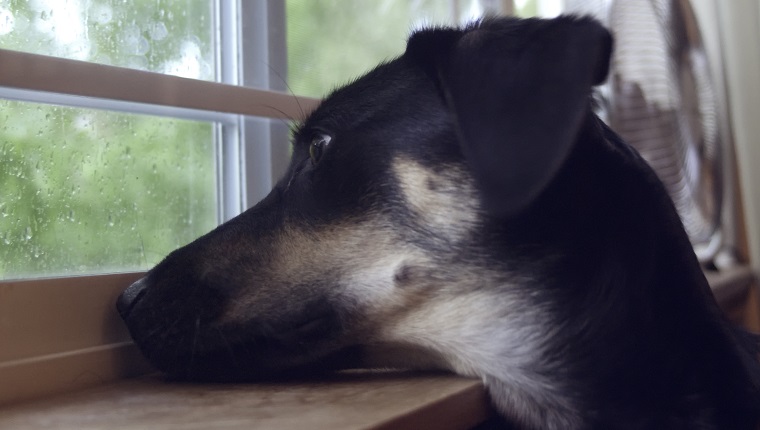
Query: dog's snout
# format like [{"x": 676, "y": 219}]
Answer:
[{"x": 130, "y": 296}]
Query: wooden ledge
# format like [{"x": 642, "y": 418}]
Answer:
[
  {"x": 729, "y": 284},
  {"x": 735, "y": 289},
  {"x": 349, "y": 400}
]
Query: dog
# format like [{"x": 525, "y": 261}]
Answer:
[{"x": 461, "y": 207}]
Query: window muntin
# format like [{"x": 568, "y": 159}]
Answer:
[{"x": 87, "y": 191}]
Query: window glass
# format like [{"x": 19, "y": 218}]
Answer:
[
  {"x": 547, "y": 8},
  {"x": 85, "y": 191},
  {"x": 165, "y": 36},
  {"x": 333, "y": 41},
  {"x": 526, "y": 8}
]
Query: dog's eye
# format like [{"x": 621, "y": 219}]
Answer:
[{"x": 317, "y": 147}]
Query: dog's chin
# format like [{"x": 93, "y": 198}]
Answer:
[
  {"x": 192, "y": 348},
  {"x": 225, "y": 366}
]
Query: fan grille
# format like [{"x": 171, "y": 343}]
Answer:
[{"x": 663, "y": 104}]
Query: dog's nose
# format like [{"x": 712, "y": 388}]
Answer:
[{"x": 130, "y": 296}]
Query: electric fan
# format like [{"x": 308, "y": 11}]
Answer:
[{"x": 661, "y": 101}]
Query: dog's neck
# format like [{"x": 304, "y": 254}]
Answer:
[{"x": 490, "y": 344}]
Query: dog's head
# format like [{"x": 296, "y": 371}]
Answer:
[{"x": 414, "y": 209}]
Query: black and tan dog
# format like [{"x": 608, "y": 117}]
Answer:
[{"x": 462, "y": 208}]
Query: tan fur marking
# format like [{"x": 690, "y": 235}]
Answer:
[
  {"x": 360, "y": 257},
  {"x": 445, "y": 199}
]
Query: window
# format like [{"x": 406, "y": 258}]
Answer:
[
  {"x": 121, "y": 140},
  {"x": 158, "y": 36},
  {"x": 78, "y": 181},
  {"x": 336, "y": 59},
  {"x": 130, "y": 128},
  {"x": 330, "y": 42}
]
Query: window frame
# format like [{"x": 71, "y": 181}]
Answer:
[{"x": 63, "y": 333}]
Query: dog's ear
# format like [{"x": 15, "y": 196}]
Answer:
[{"x": 519, "y": 90}]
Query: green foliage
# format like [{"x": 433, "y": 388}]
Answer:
[
  {"x": 88, "y": 191},
  {"x": 143, "y": 34},
  {"x": 526, "y": 8},
  {"x": 331, "y": 42},
  {"x": 85, "y": 191}
]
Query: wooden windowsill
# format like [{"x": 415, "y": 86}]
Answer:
[
  {"x": 730, "y": 283},
  {"x": 349, "y": 400},
  {"x": 734, "y": 292}
]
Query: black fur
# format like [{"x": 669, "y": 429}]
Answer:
[{"x": 635, "y": 339}]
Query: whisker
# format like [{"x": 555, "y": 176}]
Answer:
[
  {"x": 178, "y": 347},
  {"x": 230, "y": 351},
  {"x": 290, "y": 90},
  {"x": 282, "y": 112},
  {"x": 194, "y": 343}
]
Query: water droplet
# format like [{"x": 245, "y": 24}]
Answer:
[
  {"x": 28, "y": 233},
  {"x": 158, "y": 31},
  {"x": 143, "y": 46},
  {"x": 102, "y": 14}
]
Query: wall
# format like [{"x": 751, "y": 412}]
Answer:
[{"x": 731, "y": 30}]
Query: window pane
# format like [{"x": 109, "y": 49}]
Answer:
[
  {"x": 526, "y": 8},
  {"x": 333, "y": 41},
  {"x": 548, "y": 8},
  {"x": 86, "y": 191},
  {"x": 164, "y": 36}
]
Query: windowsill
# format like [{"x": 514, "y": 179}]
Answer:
[
  {"x": 734, "y": 293},
  {"x": 350, "y": 400}
]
